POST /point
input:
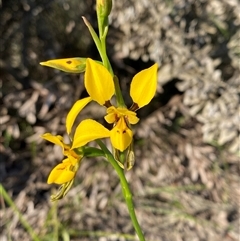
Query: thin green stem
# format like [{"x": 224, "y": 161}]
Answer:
[
  {"x": 106, "y": 61},
  {"x": 24, "y": 223},
  {"x": 100, "y": 27},
  {"x": 104, "y": 57},
  {"x": 118, "y": 92},
  {"x": 125, "y": 189}
]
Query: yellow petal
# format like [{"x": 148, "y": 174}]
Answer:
[
  {"x": 70, "y": 65},
  {"x": 111, "y": 115},
  {"x": 131, "y": 117},
  {"x": 58, "y": 140},
  {"x": 88, "y": 130},
  {"x": 144, "y": 85},
  {"x": 121, "y": 135},
  {"x": 72, "y": 114},
  {"x": 61, "y": 173},
  {"x": 98, "y": 82}
]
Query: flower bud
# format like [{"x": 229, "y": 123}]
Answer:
[
  {"x": 104, "y": 7},
  {"x": 69, "y": 65}
]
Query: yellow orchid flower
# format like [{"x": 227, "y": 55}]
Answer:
[
  {"x": 100, "y": 86},
  {"x": 88, "y": 130},
  {"x": 65, "y": 171}
]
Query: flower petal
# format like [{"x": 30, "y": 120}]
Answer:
[
  {"x": 88, "y": 130},
  {"x": 121, "y": 135},
  {"x": 144, "y": 85},
  {"x": 72, "y": 114},
  {"x": 132, "y": 117},
  {"x": 70, "y": 65},
  {"x": 58, "y": 140},
  {"x": 98, "y": 82},
  {"x": 111, "y": 115},
  {"x": 61, "y": 173}
]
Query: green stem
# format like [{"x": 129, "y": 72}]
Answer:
[
  {"x": 125, "y": 189},
  {"x": 106, "y": 61},
  {"x": 24, "y": 223},
  {"x": 118, "y": 92},
  {"x": 100, "y": 27}
]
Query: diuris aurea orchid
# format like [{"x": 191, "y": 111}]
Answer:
[
  {"x": 100, "y": 86},
  {"x": 65, "y": 172}
]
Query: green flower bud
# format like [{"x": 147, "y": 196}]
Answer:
[{"x": 104, "y": 7}]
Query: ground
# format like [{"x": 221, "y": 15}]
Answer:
[{"x": 185, "y": 180}]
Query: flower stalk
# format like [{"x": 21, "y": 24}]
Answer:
[{"x": 125, "y": 190}]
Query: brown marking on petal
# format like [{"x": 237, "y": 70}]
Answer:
[
  {"x": 72, "y": 168},
  {"x": 134, "y": 107},
  {"x": 107, "y": 104},
  {"x": 127, "y": 122},
  {"x": 69, "y": 62},
  {"x": 116, "y": 118}
]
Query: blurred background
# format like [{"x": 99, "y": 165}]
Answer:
[{"x": 186, "y": 177}]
